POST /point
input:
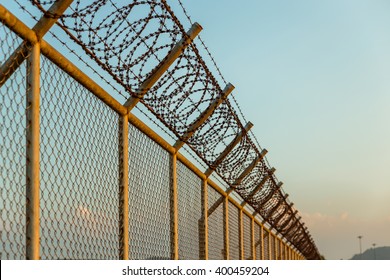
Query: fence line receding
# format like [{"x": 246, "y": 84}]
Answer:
[{"x": 83, "y": 177}]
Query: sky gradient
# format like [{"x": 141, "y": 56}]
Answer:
[{"x": 313, "y": 77}]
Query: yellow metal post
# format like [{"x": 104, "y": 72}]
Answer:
[
  {"x": 40, "y": 29},
  {"x": 124, "y": 186},
  {"x": 32, "y": 169},
  {"x": 276, "y": 248},
  {"x": 281, "y": 249},
  {"x": 205, "y": 219},
  {"x": 271, "y": 257},
  {"x": 262, "y": 242},
  {"x": 241, "y": 225},
  {"x": 226, "y": 227},
  {"x": 174, "y": 210},
  {"x": 253, "y": 238}
]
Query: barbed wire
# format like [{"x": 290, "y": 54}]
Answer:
[{"x": 221, "y": 75}]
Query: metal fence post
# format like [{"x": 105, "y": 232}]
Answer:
[
  {"x": 270, "y": 246},
  {"x": 262, "y": 242},
  {"x": 253, "y": 238},
  {"x": 124, "y": 187},
  {"x": 40, "y": 29},
  {"x": 226, "y": 227},
  {"x": 276, "y": 247},
  {"x": 32, "y": 168},
  {"x": 241, "y": 237},
  {"x": 282, "y": 250},
  {"x": 204, "y": 227},
  {"x": 174, "y": 209}
]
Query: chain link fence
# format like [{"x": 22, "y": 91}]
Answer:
[
  {"x": 12, "y": 152},
  {"x": 175, "y": 210}
]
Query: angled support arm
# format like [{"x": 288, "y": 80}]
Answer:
[
  {"x": 229, "y": 148},
  {"x": 156, "y": 74},
  {"x": 247, "y": 171},
  {"x": 40, "y": 29},
  {"x": 204, "y": 116}
]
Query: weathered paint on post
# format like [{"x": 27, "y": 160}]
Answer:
[
  {"x": 262, "y": 242},
  {"x": 253, "y": 238},
  {"x": 32, "y": 168},
  {"x": 124, "y": 187},
  {"x": 40, "y": 29},
  {"x": 226, "y": 227},
  {"x": 205, "y": 218},
  {"x": 174, "y": 210},
  {"x": 241, "y": 235}
]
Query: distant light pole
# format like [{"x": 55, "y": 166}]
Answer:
[
  {"x": 374, "y": 251},
  {"x": 360, "y": 245}
]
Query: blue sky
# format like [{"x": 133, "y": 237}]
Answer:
[{"x": 313, "y": 77}]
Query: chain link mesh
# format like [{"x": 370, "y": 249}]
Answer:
[
  {"x": 189, "y": 187},
  {"x": 282, "y": 251},
  {"x": 216, "y": 225},
  {"x": 266, "y": 244},
  {"x": 247, "y": 228},
  {"x": 234, "y": 232},
  {"x": 273, "y": 247},
  {"x": 183, "y": 92},
  {"x": 12, "y": 152},
  {"x": 258, "y": 245},
  {"x": 79, "y": 174},
  {"x": 149, "y": 198}
]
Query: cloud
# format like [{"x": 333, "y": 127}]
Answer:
[
  {"x": 321, "y": 220},
  {"x": 344, "y": 216}
]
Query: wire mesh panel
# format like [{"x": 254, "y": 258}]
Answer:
[
  {"x": 189, "y": 187},
  {"x": 258, "y": 247},
  {"x": 12, "y": 153},
  {"x": 149, "y": 198},
  {"x": 216, "y": 225},
  {"x": 79, "y": 171},
  {"x": 266, "y": 244},
  {"x": 234, "y": 232},
  {"x": 277, "y": 248},
  {"x": 247, "y": 237}
]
